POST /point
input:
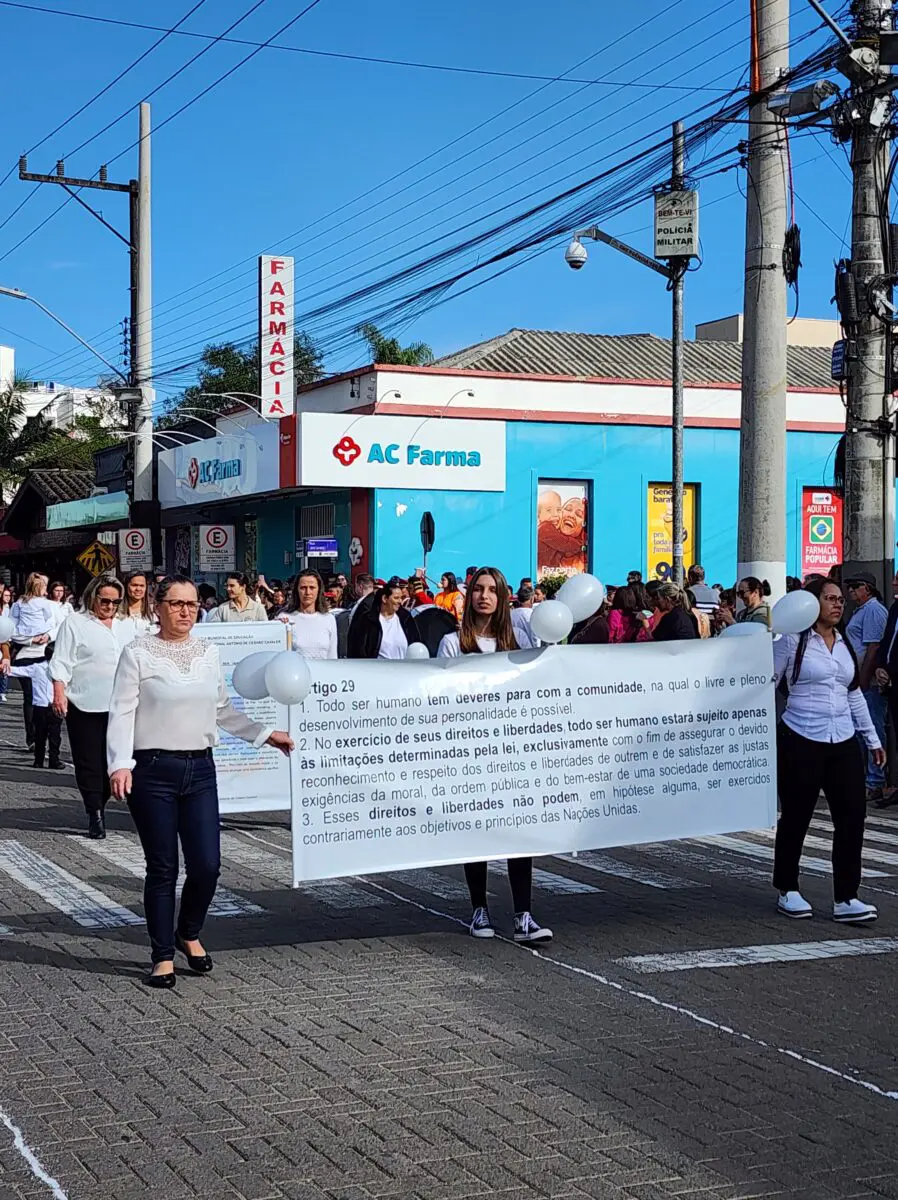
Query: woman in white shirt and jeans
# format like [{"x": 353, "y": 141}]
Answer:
[
  {"x": 485, "y": 628},
  {"x": 37, "y": 620},
  {"x": 168, "y": 699},
  {"x": 88, "y": 647},
  {"x": 818, "y": 749}
]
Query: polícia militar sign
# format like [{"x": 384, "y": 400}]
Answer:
[{"x": 443, "y": 454}]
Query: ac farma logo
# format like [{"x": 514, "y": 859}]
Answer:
[{"x": 347, "y": 451}]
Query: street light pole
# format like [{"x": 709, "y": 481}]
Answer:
[{"x": 17, "y": 294}]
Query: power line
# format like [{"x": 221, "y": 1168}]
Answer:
[{"x": 360, "y": 58}]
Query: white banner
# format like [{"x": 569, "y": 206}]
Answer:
[
  {"x": 249, "y": 780},
  {"x": 404, "y": 764}
]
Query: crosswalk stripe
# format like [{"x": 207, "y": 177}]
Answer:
[
  {"x": 126, "y": 854},
  {"x": 870, "y": 853},
  {"x": 748, "y": 956},
  {"x": 676, "y": 854},
  {"x": 561, "y": 885},
  {"x": 85, "y": 904},
  {"x": 336, "y": 893},
  {"x": 871, "y": 834},
  {"x": 754, "y": 850},
  {"x": 603, "y": 864}
]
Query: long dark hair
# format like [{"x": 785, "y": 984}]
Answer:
[
  {"x": 500, "y": 622},
  {"x": 320, "y": 602},
  {"x": 451, "y": 581},
  {"x": 815, "y": 587},
  {"x": 146, "y": 604}
]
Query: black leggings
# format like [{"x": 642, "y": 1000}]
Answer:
[
  {"x": 520, "y": 876},
  {"x": 87, "y": 739},
  {"x": 47, "y": 732},
  {"x": 804, "y": 769}
]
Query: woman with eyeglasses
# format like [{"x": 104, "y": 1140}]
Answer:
[
  {"x": 817, "y": 750},
  {"x": 752, "y": 593},
  {"x": 88, "y": 647},
  {"x": 168, "y": 700}
]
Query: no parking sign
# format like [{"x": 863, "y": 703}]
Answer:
[
  {"x": 217, "y": 548},
  {"x": 135, "y": 550}
]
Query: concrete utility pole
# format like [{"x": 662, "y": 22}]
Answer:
[
  {"x": 869, "y": 529},
  {"x": 677, "y": 268},
  {"x": 762, "y": 449},
  {"x": 143, "y": 331}
]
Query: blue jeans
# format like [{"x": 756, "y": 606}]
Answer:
[
  {"x": 878, "y": 706},
  {"x": 4, "y": 684},
  {"x": 172, "y": 798}
]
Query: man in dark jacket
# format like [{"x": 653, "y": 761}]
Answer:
[
  {"x": 886, "y": 676},
  {"x": 381, "y": 627}
]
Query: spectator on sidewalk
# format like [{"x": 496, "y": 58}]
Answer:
[
  {"x": 706, "y": 599},
  {"x": 865, "y": 631},
  {"x": 239, "y": 606}
]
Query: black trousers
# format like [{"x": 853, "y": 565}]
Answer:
[
  {"x": 87, "y": 738},
  {"x": 804, "y": 769},
  {"x": 47, "y": 732},
  {"x": 520, "y": 877}
]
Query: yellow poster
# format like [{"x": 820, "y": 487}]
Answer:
[{"x": 659, "y": 542}]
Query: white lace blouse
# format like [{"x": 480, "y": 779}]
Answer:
[{"x": 171, "y": 696}]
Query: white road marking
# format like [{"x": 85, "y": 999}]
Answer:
[
  {"x": 560, "y": 885},
  {"x": 871, "y": 834},
  {"x": 870, "y": 854},
  {"x": 126, "y": 854},
  {"x": 332, "y": 892},
  {"x": 676, "y": 854},
  {"x": 603, "y": 864},
  {"x": 85, "y": 904},
  {"x": 648, "y": 998},
  {"x": 754, "y": 850},
  {"x": 34, "y": 1163},
  {"x": 748, "y": 956}
]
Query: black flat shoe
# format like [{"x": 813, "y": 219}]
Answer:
[
  {"x": 200, "y": 964},
  {"x": 96, "y": 827},
  {"x": 166, "y": 982},
  {"x": 56, "y": 766}
]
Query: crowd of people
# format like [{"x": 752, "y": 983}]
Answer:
[{"x": 142, "y": 699}]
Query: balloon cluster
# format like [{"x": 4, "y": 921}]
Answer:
[
  {"x": 281, "y": 674},
  {"x": 578, "y": 598},
  {"x": 794, "y": 613}
]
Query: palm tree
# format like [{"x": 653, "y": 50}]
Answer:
[
  {"x": 20, "y": 435},
  {"x": 387, "y": 350}
]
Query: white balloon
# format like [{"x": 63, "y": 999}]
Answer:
[
  {"x": 417, "y": 650},
  {"x": 249, "y": 675},
  {"x": 583, "y": 594},
  {"x": 744, "y": 629},
  {"x": 288, "y": 678},
  {"x": 795, "y": 612},
  {"x": 551, "y": 622},
  {"x": 7, "y": 628}
]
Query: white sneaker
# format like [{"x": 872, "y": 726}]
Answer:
[
  {"x": 527, "y": 930},
  {"x": 854, "y": 912},
  {"x": 481, "y": 925},
  {"x": 793, "y": 904}
]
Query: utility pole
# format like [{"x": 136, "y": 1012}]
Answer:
[
  {"x": 762, "y": 446},
  {"x": 139, "y": 396},
  {"x": 677, "y": 268},
  {"x": 869, "y": 529}
]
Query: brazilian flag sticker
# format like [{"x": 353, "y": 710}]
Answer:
[{"x": 822, "y": 531}]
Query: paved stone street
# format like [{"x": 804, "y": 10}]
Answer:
[{"x": 677, "y": 1039}]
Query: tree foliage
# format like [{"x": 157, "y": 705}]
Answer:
[
  {"x": 388, "y": 350},
  {"x": 227, "y": 368}
]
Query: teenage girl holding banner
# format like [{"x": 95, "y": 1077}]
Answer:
[{"x": 485, "y": 628}]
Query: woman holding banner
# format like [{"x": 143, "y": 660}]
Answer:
[
  {"x": 817, "y": 750},
  {"x": 485, "y": 628},
  {"x": 168, "y": 699}
]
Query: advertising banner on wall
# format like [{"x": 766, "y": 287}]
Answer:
[
  {"x": 276, "y": 385},
  {"x": 404, "y": 765},
  {"x": 821, "y": 530},
  {"x": 249, "y": 780},
  {"x": 562, "y": 527},
  {"x": 345, "y": 450},
  {"x": 659, "y": 534},
  {"x": 222, "y": 468}
]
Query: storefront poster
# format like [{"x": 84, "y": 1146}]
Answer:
[
  {"x": 249, "y": 780},
  {"x": 821, "y": 530},
  {"x": 562, "y": 527},
  {"x": 659, "y": 535},
  {"x": 405, "y": 765}
]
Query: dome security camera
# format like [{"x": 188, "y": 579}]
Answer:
[{"x": 575, "y": 256}]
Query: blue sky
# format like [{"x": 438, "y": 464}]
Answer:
[{"x": 290, "y": 154}]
